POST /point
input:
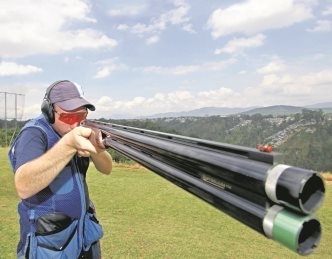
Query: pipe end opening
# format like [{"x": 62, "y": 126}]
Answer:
[
  {"x": 309, "y": 237},
  {"x": 312, "y": 194}
]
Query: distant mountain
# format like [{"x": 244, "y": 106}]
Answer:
[
  {"x": 225, "y": 111},
  {"x": 202, "y": 112},
  {"x": 320, "y": 105},
  {"x": 287, "y": 109},
  {"x": 275, "y": 110}
]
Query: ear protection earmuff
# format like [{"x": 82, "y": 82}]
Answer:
[{"x": 47, "y": 106}]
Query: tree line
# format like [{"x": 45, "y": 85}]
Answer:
[{"x": 309, "y": 145}]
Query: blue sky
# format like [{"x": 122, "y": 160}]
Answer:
[{"x": 137, "y": 58}]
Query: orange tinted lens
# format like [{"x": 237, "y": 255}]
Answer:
[{"x": 71, "y": 118}]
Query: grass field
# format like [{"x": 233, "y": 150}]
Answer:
[{"x": 144, "y": 216}]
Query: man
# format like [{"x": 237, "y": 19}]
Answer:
[{"x": 50, "y": 158}]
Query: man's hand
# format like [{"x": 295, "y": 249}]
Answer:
[
  {"x": 102, "y": 159},
  {"x": 79, "y": 139},
  {"x": 97, "y": 140}
]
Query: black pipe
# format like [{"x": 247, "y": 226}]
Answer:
[
  {"x": 303, "y": 236},
  {"x": 304, "y": 195},
  {"x": 198, "y": 171},
  {"x": 236, "y": 150}
]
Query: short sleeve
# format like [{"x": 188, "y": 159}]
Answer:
[{"x": 31, "y": 144}]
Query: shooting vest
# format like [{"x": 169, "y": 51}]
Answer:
[{"x": 56, "y": 222}]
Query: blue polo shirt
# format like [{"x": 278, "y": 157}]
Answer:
[{"x": 31, "y": 144}]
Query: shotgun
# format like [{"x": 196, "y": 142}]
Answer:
[{"x": 276, "y": 200}]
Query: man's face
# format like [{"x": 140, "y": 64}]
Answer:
[{"x": 65, "y": 121}]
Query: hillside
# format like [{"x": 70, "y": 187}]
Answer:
[
  {"x": 304, "y": 139},
  {"x": 275, "y": 110},
  {"x": 202, "y": 112},
  {"x": 320, "y": 105}
]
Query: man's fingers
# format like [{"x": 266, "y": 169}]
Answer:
[
  {"x": 100, "y": 142},
  {"x": 87, "y": 146},
  {"x": 79, "y": 139},
  {"x": 96, "y": 139},
  {"x": 83, "y": 131},
  {"x": 83, "y": 153}
]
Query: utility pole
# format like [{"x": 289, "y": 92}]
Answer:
[
  {"x": 6, "y": 117},
  {"x": 6, "y": 133}
]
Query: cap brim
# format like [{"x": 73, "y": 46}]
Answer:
[{"x": 75, "y": 103}]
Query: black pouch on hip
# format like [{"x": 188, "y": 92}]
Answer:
[{"x": 52, "y": 223}]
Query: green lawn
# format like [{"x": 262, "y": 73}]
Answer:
[{"x": 144, "y": 216}]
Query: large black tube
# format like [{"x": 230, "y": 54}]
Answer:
[
  {"x": 235, "y": 206},
  {"x": 296, "y": 188},
  {"x": 302, "y": 236},
  {"x": 198, "y": 171}
]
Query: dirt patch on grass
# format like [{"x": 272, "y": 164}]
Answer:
[
  {"x": 128, "y": 166},
  {"x": 327, "y": 177}
]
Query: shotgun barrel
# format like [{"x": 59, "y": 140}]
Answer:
[{"x": 274, "y": 199}]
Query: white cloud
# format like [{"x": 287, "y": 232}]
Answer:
[
  {"x": 279, "y": 81},
  {"x": 182, "y": 70},
  {"x": 13, "y": 69},
  {"x": 180, "y": 100},
  {"x": 319, "y": 56},
  {"x": 254, "y": 16},
  {"x": 239, "y": 44},
  {"x": 178, "y": 70},
  {"x": 127, "y": 10},
  {"x": 86, "y": 38},
  {"x": 275, "y": 88},
  {"x": 322, "y": 26},
  {"x": 210, "y": 97},
  {"x": 122, "y": 27},
  {"x": 188, "y": 27},
  {"x": 217, "y": 65},
  {"x": 36, "y": 27},
  {"x": 148, "y": 105},
  {"x": 276, "y": 65},
  {"x": 327, "y": 11},
  {"x": 70, "y": 59},
  {"x": 311, "y": 84},
  {"x": 274, "y": 81},
  {"x": 108, "y": 66},
  {"x": 104, "y": 101},
  {"x": 152, "y": 40},
  {"x": 323, "y": 77},
  {"x": 177, "y": 16}
]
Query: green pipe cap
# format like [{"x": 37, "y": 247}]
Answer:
[{"x": 297, "y": 232}]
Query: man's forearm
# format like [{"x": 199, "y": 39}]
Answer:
[
  {"x": 102, "y": 162},
  {"x": 37, "y": 174}
]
